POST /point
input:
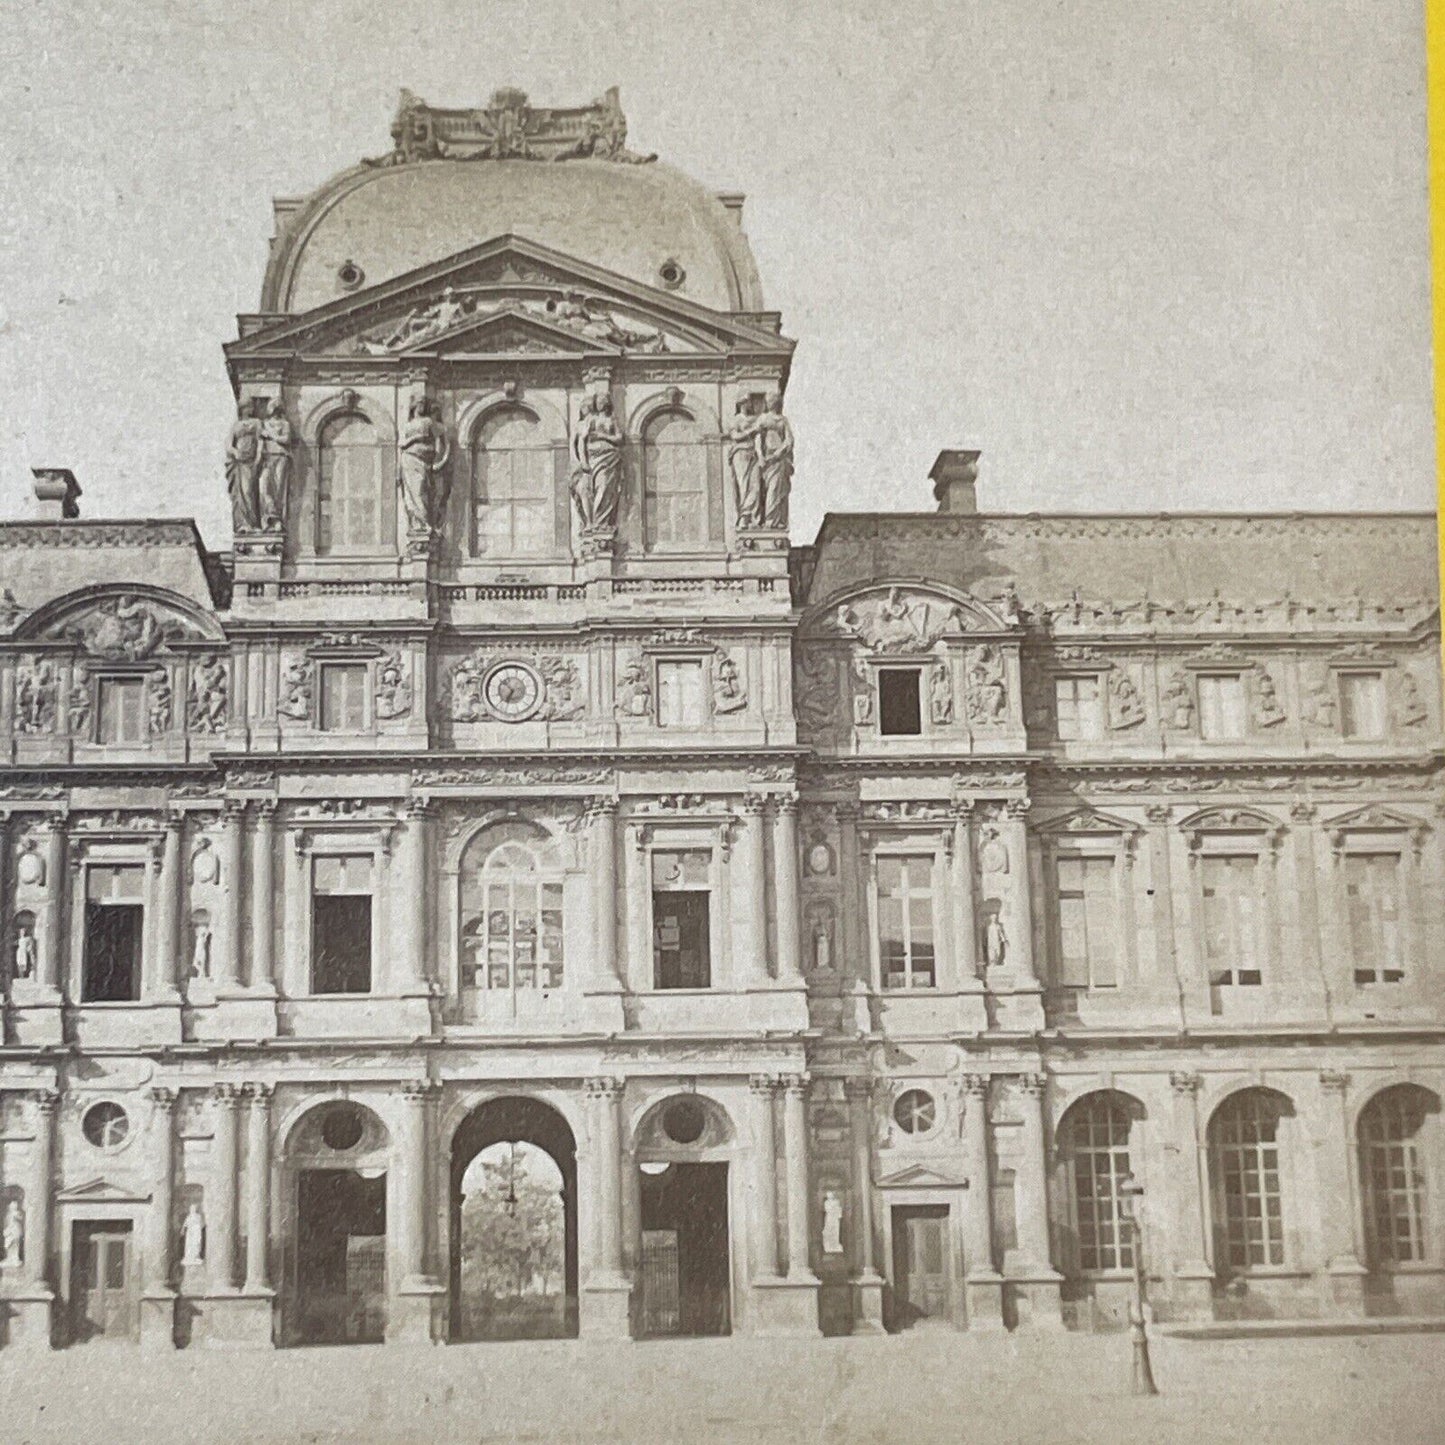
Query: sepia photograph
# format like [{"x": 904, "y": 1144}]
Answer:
[{"x": 720, "y": 724}]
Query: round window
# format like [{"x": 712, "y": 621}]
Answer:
[
  {"x": 684, "y": 1121},
  {"x": 342, "y": 1127},
  {"x": 671, "y": 274},
  {"x": 106, "y": 1125},
  {"x": 915, "y": 1111},
  {"x": 350, "y": 275}
]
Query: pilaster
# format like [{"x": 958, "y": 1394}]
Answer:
[{"x": 606, "y": 1304}]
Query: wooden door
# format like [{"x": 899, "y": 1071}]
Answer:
[
  {"x": 102, "y": 1292},
  {"x": 920, "y": 1264}
]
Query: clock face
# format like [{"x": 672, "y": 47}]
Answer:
[{"x": 513, "y": 691}]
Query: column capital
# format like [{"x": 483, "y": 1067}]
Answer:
[
  {"x": 1032, "y": 1084},
  {"x": 597, "y": 809},
  {"x": 1016, "y": 809},
  {"x": 961, "y": 810},
  {"x": 1302, "y": 812},
  {"x": 163, "y": 1098},
  {"x": 55, "y": 823},
  {"x": 173, "y": 820},
  {"x": 260, "y": 1093},
  {"x": 47, "y": 1101},
  {"x": 975, "y": 1086},
  {"x": 419, "y": 1091},
  {"x": 786, "y": 804},
  {"x": 418, "y": 808},
  {"x": 847, "y": 810},
  {"x": 233, "y": 811},
  {"x": 753, "y": 805},
  {"x": 764, "y": 1085},
  {"x": 604, "y": 1088},
  {"x": 265, "y": 810},
  {"x": 1334, "y": 1081},
  {"x": 797, "y": 1084},
  {"x": 1183, "y": 1081},
  {"x": 228, "y": 1096}
]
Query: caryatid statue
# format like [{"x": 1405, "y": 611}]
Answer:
[
  {"x": 278, "y": 437},
  {"x": 243, "y": 468},
  {"x": 421, "y": 464},
  {"x": 743, "y": 466},
  {"x": 775, "y": 461},
  {"x": 596, "y": 464}
]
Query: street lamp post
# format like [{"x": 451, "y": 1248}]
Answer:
[{"x": 1132, "y": 1193}]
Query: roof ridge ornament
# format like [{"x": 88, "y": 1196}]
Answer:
[{"x": 510, "y": 128}]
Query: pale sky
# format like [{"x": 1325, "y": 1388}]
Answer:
[{"x": 1145, "y": 255}]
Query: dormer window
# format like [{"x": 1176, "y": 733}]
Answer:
[
  {"x": 122, "y": 710},
  {"x": 900, "y": 709}
]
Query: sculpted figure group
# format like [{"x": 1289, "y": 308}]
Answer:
[
  {"x": 760, "y": 461},
  {"x": 258, "y": 466}
]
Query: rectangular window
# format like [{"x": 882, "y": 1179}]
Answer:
[
  {"x": 1078, "y": 708},
  {"x": 122, "y": 710},
  {"x": 681, "y": 919},
  {"x": 1372, "y": 893},
  {"x": 514, "y": 501},
  {"x": 341, "y": 925},
  {"x": 905, "y": 922},
  {"x": 1362, "y": 705},
  {"x": 343, "y": 697},
  {"x": 679, "y": 694},
  {"x": 900, "y": 713},
  {"x": 1088, "y": 923},
  {"x": 1232, "y": 920},
  {"x": 1221, "y": 707},
  {"x": 114, "y": 928}
]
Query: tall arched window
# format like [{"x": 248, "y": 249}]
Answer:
[
  {"x": 1244, "y": 1174},
  {"x": 1095, "y": 1143},
  {"x": 356, "y": 488},
  {"x": 675, "y": 483},
  {"x": 1395, "y": 1166},
  {"x": 511, "y": 925},
  {"x": 513, "y": 486}
]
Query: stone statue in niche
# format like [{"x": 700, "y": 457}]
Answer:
[
  {"x": 775, "y": 461},
  {"x": 744, "y": 466},
  {"x": 278, "y": 438},
  {"x": 243, "y": 468},
  {"x": 393, "y": 691},
  {"x": 634, "y": 691},
  {"x": 832, "y": 1222},
  {"x": 596, "y": 448},
  {"x": 1177, "y": 702},
  {"x": 940, "y": 695},
  {"x": 987, "y": 691},
  {"x": 206, "y": 706},
  {"x": 992, "y": 851},
  {"x": 295, "y": 690},
  {"x": 77, "y": 709},
  {"x": 25, "y": 957},
  {"x": 995, "y": 941},
  {"x": 12, "y": 1236},
  {"x": 861, "y": 685},
  {"x": 193, "y": 1236},
  {"x": 159, "y": 702},
  {"x": 1409, "y": 705},
  {"x": 728, "y": 694},
  {"x": 1126, "y": 707},
  {"x": 200, "y": 949},
  {"x": 421, "y": 460},
  {"x": 35, "y": 696},
  {"x": 1267, "y": 709}
]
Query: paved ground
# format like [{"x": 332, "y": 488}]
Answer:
[{"x": 917, "y": 1389}]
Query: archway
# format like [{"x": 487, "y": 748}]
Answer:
[{"x": 513, "y": 1223}]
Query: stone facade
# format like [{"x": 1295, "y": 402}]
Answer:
[{"x": 847, "y": 923}]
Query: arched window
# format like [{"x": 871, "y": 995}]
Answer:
[
  {"x": 356, "y": 488},
  {"x": 511, "y": 932},
  {"x": 1244, "y": 1173},
  {"x": 513, "y": 487},
  {"x": 1095, "y": 1144},
  {"x": 675, "y": 483},
  {"x": 1394, "y": 1164}
]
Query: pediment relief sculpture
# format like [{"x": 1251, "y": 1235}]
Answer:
[
  {"x": 901, "y": 620},
  {"x": 122, "y": 629}
]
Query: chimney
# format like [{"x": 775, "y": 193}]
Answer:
[
  {"x": 955, "y": 480},
  {"x": 56, "y": 494}
]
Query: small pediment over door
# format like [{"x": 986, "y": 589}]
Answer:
[
  {"x": 921, "y": 1176},
  {"x": 100, "y": 1191}
]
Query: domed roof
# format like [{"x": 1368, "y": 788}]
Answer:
[{"x": 470, "y": 178}]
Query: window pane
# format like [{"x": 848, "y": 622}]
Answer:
[
  {"x": 513, "y": 485},
  {"x": 1221, "y": 706},
  {"x": 353, "y": 503},
  {"x": 675, "y": 483},
  {"x": 343, "y": 697},
  {"x": 1362, "y": 705},
  {"x": 1097, "y": 1138},
  {"x": 1077, "y": 708},
  {"x": 1244, "y": 1165},
  {"x": 122, "y": 710},
  {"x": 900, "y": 712},
  {"x": 679, "y": 694},
  {"x": 1232, "y": 922}
]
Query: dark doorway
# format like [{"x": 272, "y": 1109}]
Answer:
[
  {"x": 920, "y": 1265},
  {"x": 102, "y": 1285},
  {"x": 340, "y": 1256},
  {"x": 686, "y": 1288},
  {"x": 514, "y": 1224}
]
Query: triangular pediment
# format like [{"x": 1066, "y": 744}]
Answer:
[
  {"x": 450, "y": 307},
  {"x": 1374, "y": 818},
  {"x": 921, "y": 1176},
  {"x": 100, "y": 1191}
]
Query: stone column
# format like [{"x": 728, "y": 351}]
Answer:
[
  {"x": 1340, "y": 1197},
  {"x": 411, "y": 1164},
  {"x": 412, "y": 860},
  {"x": 607, "y": 1295},
  {"x": 785, "y": 891},
  {"x": 1165, "y": 962},
  {"x": 221, "y": 1190},
  {"x": 165, "y": 965},
  {"x": 258, "y": 1187},
  {"x": 965, "y": 923},
  {"x": 39, "y": 1193},
  {"x": 158, "y": 1299},
  {"x": 602, "y": 824},
  {"x": 263, "y": 896},
  {"x": 983, "y": 1285},
  {"x": 53, "y": 910},
  {"x": 228, "y": 945},
  {"x": 799, "y": 1202},
  {"x": 869, "y": 1317},
  {"x": 1193, "y": 1278},
  {"x": 752, "y": 886},
  {"x": 765, "y": 1177},
  {"x": 1038, "y": 1281},
  {"x": 1019, "y": 960}
]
